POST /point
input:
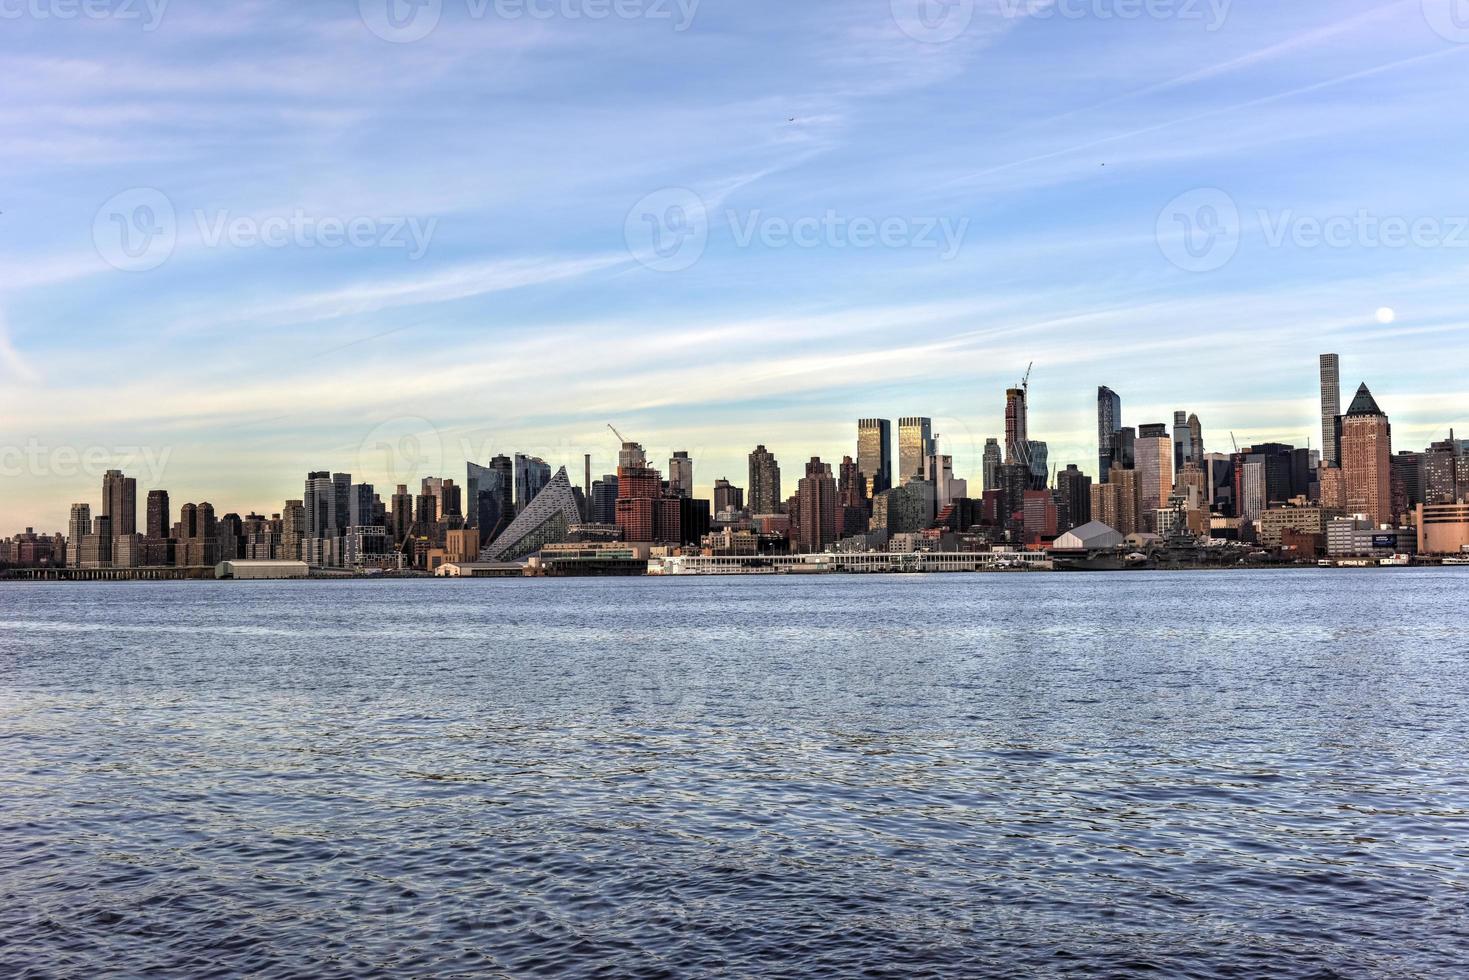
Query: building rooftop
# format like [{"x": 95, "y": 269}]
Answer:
[{"x": 1363, "y": 403}]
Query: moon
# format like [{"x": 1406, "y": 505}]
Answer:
[{"x": 1386, "y": 315}]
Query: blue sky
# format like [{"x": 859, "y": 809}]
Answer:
[{"x": 243, "y": 242}]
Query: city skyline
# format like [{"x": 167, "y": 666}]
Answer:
[
  {"x": 411, "y": 459},
  {"x": 531, "y": 314}
]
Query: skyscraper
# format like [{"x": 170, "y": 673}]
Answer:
[
  {"x": 1109, "y": 423},
  {"x": 1366, "y": 458},
  {"x": 915, "y": 444},
  {"x": 531, "y": 474},
  {"x": 727, "y": 496},
  {"x": 319, "y": 499},
  {"x": 874, "y": 454},
  {"x": 681, "y": 475},
  {"x": 490, "y": 497},
  {"x": 1039, "y": 456},
  {"x": 120, "y": 502},
  {"x": 1330, "y": 408},
  {"x": 816, "y": 504},
  {"x": 1017, "y": 438},
  {"x": 77, "y": 528},
  {"x": 1154, "y": 467},
  {"x": 993, "y": 460},
  {"x": 157, "y": 514},
  {"x": 764, "y": 482}
]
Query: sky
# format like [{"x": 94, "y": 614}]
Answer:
[{"x": 243, "y": 242}]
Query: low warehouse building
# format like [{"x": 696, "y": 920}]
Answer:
[{"x": 239, "y": 568}]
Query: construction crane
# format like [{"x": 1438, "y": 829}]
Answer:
[
  {"x": 1236, "y": 444},
  {"x": 616, "y": 433},
  {"x": 1025, "y": 381}
]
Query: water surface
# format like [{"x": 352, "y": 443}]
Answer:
[{"x": 1195, "y": 774}]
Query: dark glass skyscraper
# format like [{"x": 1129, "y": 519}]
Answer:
[{"x": 1109, "y": 423}]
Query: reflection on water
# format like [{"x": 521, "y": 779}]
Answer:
[{"x": 1211, "y": 774}]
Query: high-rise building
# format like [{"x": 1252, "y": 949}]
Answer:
[
  {"x": 361, "y": 501},
  {"x": 1039, "y": 456},
  {"x": 158, "y": 513},
  {"x": 77, "y": 528},
  {"x": 341, "y": 502},
  {"x": 764, "y": 482},
  {"x": 874, "y": 454},
  {"x": 915, "y": 444},
  {"x": 816, "y": 507},
  {"x": 1109, "y": 423},
  {"x": 1017, "y": 438},
  {"x": 603, "y": 502},
  {"x": 1366, "y": 458},
  {"x": 1188, "y": 441},
  {"x": 644, "y": 513},
  {"x": 681, "y": 475},
  {"x": 402, "y": 518},
  {"x": 120, "y": 502},
  {"x": 993, "y": 460},
  {"x": 490, "y": 496},
  {"x": 1154, "y": 468},
  {"x": 1073, "y": 498},
  {"x": 319, "y": 498},
  {"x": 1445, "y": 477},
  {"x": 1124, "y": 443},
  {"x": 727, "y": 496},
  {"x": 1330, "y": 408},
  {"x": 531, "y": 474},
  {"x": 853, "y": 504},
  {"x": 293, "y": 529}
]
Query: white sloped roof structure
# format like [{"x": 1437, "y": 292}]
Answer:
[{"x": 1088, "y": 537}]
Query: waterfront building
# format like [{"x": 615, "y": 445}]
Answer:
[
  {"x": 816, "y": 507},
  {"x": 1359, "y": 536},
  {"x": 1092, "y": 536},
  {"x": 546, "y": 521},
  {"x": 490, "y": 495},
  {"x": 77, "y": 528},
  {"x": 643, "y": 511},
  {"x": 764, "y": 482},
  {"x": 874, "y": 454},
  {"x": 1275, "y": 521},
  {"x": 1366, "y": 451},
  {"x": 1330, "y": 408},
  {"x": 1109, "y": 423},
  {"x": 915, "y": 444},
  {"x": 603, "y": 502},
  {"x": 293, "y": 529},
  {"x": 319, "y": 498},
  {"x": 1443, "y": 529}
]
